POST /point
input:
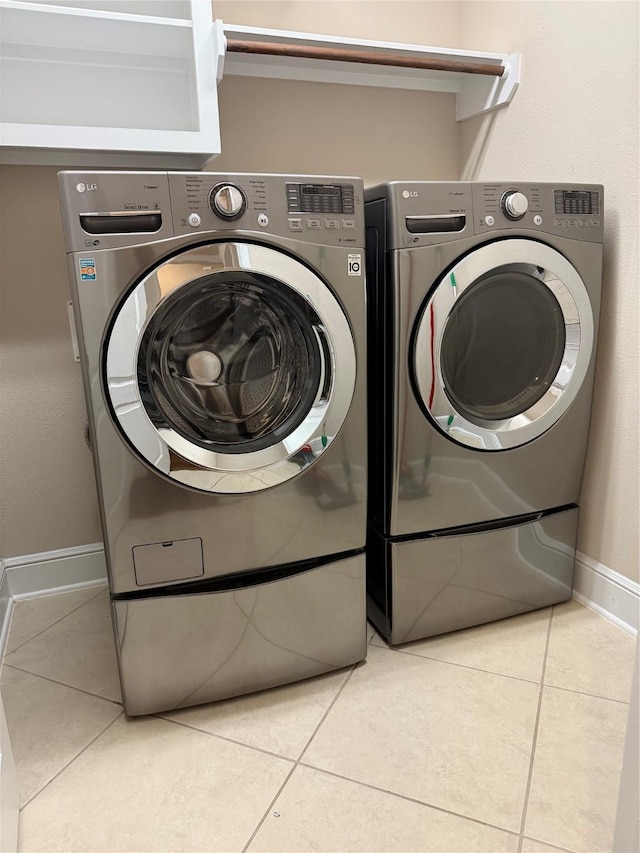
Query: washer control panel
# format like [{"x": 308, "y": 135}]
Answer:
[
  {"x": 110, "y": 209},
  {"x": 320, "y": 210}
]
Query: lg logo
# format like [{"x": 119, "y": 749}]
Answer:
[
  {"x": 86, "y": 187},
  {"x": 409, "y": 194}
]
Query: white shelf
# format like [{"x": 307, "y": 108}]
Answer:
[
  {"x": 95, "y": 85},
  {"x": 475, "y": 94},
  {"x": 66, "y": 28}
]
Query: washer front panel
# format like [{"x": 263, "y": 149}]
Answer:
[
  {"x": 567, "y": 304},
  {"x": 153, "y": 426}
]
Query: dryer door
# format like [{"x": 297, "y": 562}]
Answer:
[
  {"x": 502, "y": 345},
  {"x": 229, "y": 368}
]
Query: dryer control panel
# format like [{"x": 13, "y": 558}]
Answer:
[
  {"x": 569, "y": 210},
  {"x": 425, "y": 213},
  {"x": 113, "y": 209}
]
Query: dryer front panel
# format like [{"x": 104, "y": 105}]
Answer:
[
  {"x": 502, "y": 345},
  {"x": 229, "y": 368}
]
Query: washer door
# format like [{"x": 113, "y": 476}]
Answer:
[
  {"x": 230, "y": 367},
  {"x": 503, "y": 344}
]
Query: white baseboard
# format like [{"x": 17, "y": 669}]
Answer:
[
  {"x": 614, "y": 596},
  {"x": 55, "y": 571},
  {"x": 6, "y": 608}
]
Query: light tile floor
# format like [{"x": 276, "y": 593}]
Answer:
[{"x": 506, "y": 737}]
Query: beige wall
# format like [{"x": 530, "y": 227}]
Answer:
[
  {"x": 575, "y": 118},
  {"x": 47, "y": 492}
]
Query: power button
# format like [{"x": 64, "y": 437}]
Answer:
[{"x": 194, "y": 220}]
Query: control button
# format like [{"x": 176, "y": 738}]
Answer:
[
  {"x": 263, "y": 220},
  {"x": 584, "y": 223},
  {"x": 489, "y": 220},
  {"x": 537, "y": 219},
  {"x": 227, "y": 202},
  {"x": 595, "y": 223},
  {"x": 314, "y": 223},
  {"x": 572, "y": 223},
  {"x": 559, "y": 223},
  {"x": 194, "y": 220},
  {"x": 295, "y": 224},
  {"x": 348, "y": 223},
  {"x": 331, "y": 223},
  {"x": 514, "y": 204}
]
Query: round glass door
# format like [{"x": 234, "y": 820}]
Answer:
[
  {"x": 503, "y": 344},
  {"x": 230, "y": 368}
]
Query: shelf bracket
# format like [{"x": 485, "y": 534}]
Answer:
[{"x": 478, "y": 95}]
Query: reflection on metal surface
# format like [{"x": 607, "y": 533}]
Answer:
[
  {"x": 178, "y": 370},
  {"x": 519, "y": 408},
  {"x": 444, "y": 583},
  {"x": 242, "y": 640}
]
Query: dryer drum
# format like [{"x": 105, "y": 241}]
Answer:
[{"x": 502, "y": 346}]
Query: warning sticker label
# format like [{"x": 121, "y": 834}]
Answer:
[{"x": 87, "y": 269}]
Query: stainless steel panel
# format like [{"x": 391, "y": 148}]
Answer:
[
  {"x": 481, "y": 202},
  {"x": 450, "y": 582},
  {"x": 437, "y": 483},
  {"x": 107, "y": 192},
  {"x": 319, "y": 512},
  {"x": 161, "y": 562},
  {"x": 177, "y": 651},
  {"x": 181, "y": 196}
]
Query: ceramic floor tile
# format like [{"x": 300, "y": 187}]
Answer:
[
  {"x": 318, "y": 812},
  {"x": 576, "y": 770},
  {"x": 150, "y": 785},
  {"x": 280, "y": 720},
  {"x": 588, "y": 653},
  {"x": 529, "y": 845},
  {"x": 78, "y": 651},
  {"x": 49, "y": 724},
  {"x": 32, "y": 616},
  {"x": 445, "y": 735},
  {"x": 512, "y": 647}
]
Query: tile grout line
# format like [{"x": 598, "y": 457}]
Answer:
[
  {"x": 534, "y": 742},
  {"x": 452, "y": 663},
  {"x": 223, "y": 737},
  {"x": 583, "y": 693},
  {"x": 549, "y": 844},
  {"x": 62, "y": 684},
  {"x": 75, "y": 757},
  {"x": 513, "y": 832},
  {"x": 39, "y": 634},
  {"x": 299, "y": 759}
]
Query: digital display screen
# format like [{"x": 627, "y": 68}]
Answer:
[
  {"x": 320, "y": 198},
  {"x": 316, "y": 189},
  {"x": 577, "y": 202}
]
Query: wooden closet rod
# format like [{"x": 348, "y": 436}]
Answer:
[{"x": 346, "y": 55}]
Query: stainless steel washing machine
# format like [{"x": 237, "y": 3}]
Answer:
[
  {"x": 483, "y": 317},
  {"x": 221, "y": 322}
]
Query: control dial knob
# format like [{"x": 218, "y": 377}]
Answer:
[
  {"x": 227, "y": 202},
  {"x": 514, "y": 204}
]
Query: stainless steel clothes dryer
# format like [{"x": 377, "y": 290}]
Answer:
[
  {"x": 221, "y": 321},
  {"x": 483, "y": 316}
]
